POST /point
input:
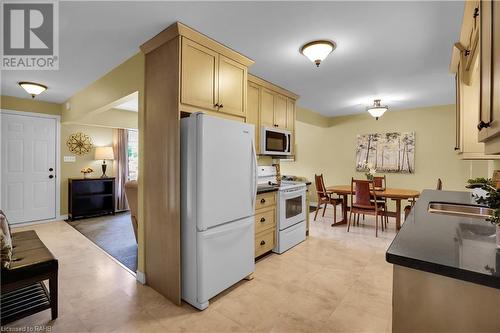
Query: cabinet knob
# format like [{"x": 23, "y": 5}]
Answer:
[
  {"x": 456, "y": 148},
  {"x": 221, "y": 106},
  {"x": 262, "y": 242},
  {"x": 476, "y": 12},
  {"x": 482, "y": 125},
  {"x": 216, "y": 105},
  {"x": 262, "y": 200},
  {"x": 51, "y": 176},
  {"x": 262, "y": 220},
  {"x": 50, "y": 169}
]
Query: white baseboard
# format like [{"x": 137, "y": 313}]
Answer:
[
  {"x": 140, "y": 277},
  {"x": 26, "y": 224}
]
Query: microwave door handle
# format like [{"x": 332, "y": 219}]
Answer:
[{"x": 288, "y": 143}]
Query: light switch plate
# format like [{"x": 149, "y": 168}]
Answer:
[{"x": 69, "y": 158}]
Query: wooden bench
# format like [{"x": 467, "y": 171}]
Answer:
[{"x": 23, "y": 292}]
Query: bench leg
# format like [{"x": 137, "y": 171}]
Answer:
[{"x": 53, "y": 295}]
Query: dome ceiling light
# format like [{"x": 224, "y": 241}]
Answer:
[
  {"x": 377, "y": 110},
  {"x": 318, "y": 50},
  {"x": 33, "y": 88}
]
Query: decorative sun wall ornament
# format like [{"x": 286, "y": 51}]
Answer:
[{"x": 79, "y": 143}]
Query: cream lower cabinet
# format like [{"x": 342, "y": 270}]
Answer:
[
  {"x": 211, "y": 81},
  {"x": 265, "y": 223}
]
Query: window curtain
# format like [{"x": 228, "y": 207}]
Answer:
[{"x": 120, "y": 166}]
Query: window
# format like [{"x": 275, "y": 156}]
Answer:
[{"x": 133, "y": 154}]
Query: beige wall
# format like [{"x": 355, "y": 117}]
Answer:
[
  {"x": 29, "y": 105},
  {"x": 101, "y": 136},
  {"x": 331, "y": 150}
]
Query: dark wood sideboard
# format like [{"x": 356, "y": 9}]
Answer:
[{"x": 90, "y": 197}]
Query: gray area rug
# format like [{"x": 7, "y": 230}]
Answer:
[{"x": 113, "y": 234}]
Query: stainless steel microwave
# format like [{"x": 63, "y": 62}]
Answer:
[{"x": 275, "y": 141}]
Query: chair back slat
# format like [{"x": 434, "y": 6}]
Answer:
[
  {"x": 363, "y": 193},
  {"x": 320, "y": 186},
  {"x": 379, "y": 182}
]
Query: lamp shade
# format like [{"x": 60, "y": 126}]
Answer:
[
  {"x": 33, "y": 88},
  {"x": 318, "y": 50},
  {"x": 104, "y": 153},
  {"x": 377, "y": 110}
]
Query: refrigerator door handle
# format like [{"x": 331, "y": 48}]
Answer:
[{"x": 254, "y": 173}]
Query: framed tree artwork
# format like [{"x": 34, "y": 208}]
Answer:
[{"x": 386, "y": 152}]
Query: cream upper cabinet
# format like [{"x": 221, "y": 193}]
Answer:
[
  {"x": 199, "y": 75},
  {"x": 280, "y": 111},
  {"x": 232, "y": 86},
  {"x": 253, "y": 107},
  {"x": 212, "y": 81},
  {"x": 470, "y": 64},
  {"x": 267, "y": 108}
]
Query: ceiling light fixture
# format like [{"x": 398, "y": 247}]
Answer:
[
  {"x": 318, "y": 50},
  {"x": 377, "y": 110},
  {"x": 32, "y": 88}
]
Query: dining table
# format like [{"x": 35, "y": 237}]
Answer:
[{"x": 395, "y": 194}]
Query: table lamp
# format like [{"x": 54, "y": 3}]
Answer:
[{"x": 104, "y": 153}]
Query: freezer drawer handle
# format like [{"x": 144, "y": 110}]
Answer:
[
  {"x": 262, "y": 242},
  {"x": 262, "y": 200},
  {"x": 262, "y": 220}
]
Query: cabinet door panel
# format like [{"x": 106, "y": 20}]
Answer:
[
  {"x": 485, "y": 67},
  {"x": 495, "y": 68},
  {"x": 290, "y": 114},
  {"x": 199, "y": 75},
  {"x": 253, "y": 103},
  {"x": 280, "y": 111},
  {"x": 290, "y": 120},
  {"x": 232, "y": 86},
  {"x": 267, "y": 108}
]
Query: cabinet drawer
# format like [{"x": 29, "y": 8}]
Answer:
[
  {"x": 264, "y": 219},
  {"x": 264, "y": 242},
  {"x": 265, "y": 200}
]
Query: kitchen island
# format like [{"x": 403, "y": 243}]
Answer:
[{"x": 446, "y": 270}]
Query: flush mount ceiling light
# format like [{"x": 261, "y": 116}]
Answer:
[
  {"x": 318, "y": 50},
  {"x": 377, "y": 110},
  {"x": 32, "y": 88}
]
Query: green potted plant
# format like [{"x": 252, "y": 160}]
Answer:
[{"x": 491, "y": 198}]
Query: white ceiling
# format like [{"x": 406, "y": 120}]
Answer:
[{"x": 399, "y": 51}]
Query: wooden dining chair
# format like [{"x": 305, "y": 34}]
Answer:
[
  {"x": 380, "y": 184},
  {"x": 364, "y": 201},
  {"x": 325, "y": 197},
  {"x": 439, "y": 185}
]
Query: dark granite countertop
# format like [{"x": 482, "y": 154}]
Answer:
[
  {"x": 463, "y": 248},
  {"x": 266, "y": 188}
]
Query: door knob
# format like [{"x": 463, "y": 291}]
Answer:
[
  {"x": 51, "y": 176},
  {"x": 50, "y": 169}
]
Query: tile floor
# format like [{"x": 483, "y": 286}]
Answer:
[{"x": 334, "y": 282}]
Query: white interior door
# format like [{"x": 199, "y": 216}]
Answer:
[
  {"x": 28, "y": 167},
  {"x": 225, "y": 171}
]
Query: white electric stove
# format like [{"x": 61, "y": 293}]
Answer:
[{"x": 291, "y": 209}]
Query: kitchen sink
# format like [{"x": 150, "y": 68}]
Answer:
[{"x": 463, "y": 210}]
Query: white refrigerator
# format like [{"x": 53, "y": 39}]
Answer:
[{"x": 218, "y": 189}]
